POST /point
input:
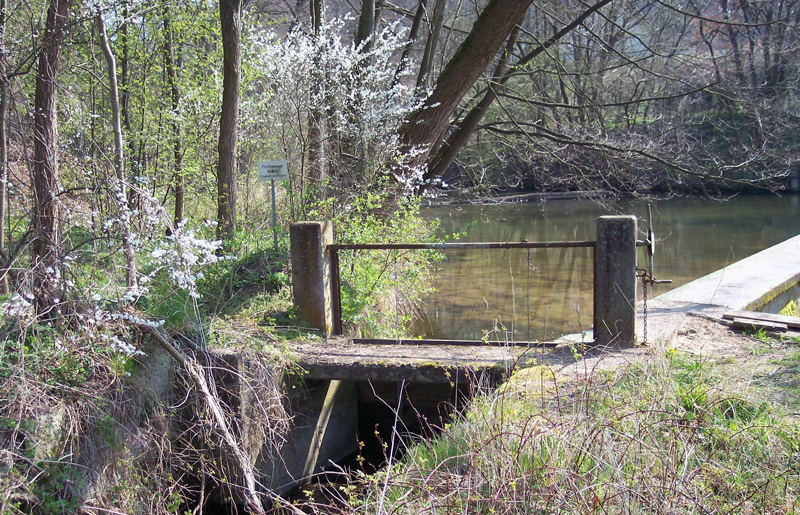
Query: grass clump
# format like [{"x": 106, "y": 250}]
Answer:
[{"x": 670, "y": 436}]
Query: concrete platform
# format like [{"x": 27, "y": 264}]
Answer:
[
  {"x": 342, "y": 359},
  {"x": 750, "y": 284},
  {"x": 765, "y": 281}
]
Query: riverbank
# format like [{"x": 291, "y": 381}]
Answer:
[{"x": 447, "y": 199}]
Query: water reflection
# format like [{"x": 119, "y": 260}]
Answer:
[{"x": 541, "y": 294}]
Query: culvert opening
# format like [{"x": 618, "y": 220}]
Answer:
[
  {"x": 342, "y": 428},
  {"x": 393, "y": 415}
]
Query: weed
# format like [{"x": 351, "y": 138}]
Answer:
[{"x": 670, "y": 436}]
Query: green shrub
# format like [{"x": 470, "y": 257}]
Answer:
[{"x": 382, "y": 288}]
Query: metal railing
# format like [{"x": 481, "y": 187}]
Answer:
[
  {"x": 316, "y": 280},
  {"x": 333, "y": 249}
]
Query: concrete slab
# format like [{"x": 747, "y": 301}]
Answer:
[
  {"x": 665, "y": 318},
  {"x": 342, "y": 359},
  {"x": 749, "y": 284},
  {"x": 765, "y": 281}
]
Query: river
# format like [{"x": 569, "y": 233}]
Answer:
[{"x": 504, "y": 295}]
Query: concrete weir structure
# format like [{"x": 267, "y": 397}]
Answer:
[
  {"x": 316, "y": 286},
  {"x": 331, "y": 419},
  {"x": 348, "y": 388},
  {"x": 765, "y": 282},
  {"x": 311, "y": 273},
  {"x": 615, "y": 281}
]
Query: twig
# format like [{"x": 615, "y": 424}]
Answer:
[{"x": 196, "y": 373}]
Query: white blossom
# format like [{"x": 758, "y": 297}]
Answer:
[{"x": 17, "y": 306}]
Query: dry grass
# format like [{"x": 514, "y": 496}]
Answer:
[
  {"x": 674, "y": 433},
  {"x": 87, "y": 430}
]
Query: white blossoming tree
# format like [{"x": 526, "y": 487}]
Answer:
[{"x": 354, "y": 87}]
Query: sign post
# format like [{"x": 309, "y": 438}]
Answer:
[{"x": 273, "y": 171}]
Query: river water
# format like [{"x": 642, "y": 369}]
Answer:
[{"x": 505, "y": 295}]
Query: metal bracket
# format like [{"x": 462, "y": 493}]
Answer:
[{"x": 650, "y": 244}]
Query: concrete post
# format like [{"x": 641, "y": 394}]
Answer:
[
  {"x": 615, "y": 281},
  {"x": 311, "y": 273}
]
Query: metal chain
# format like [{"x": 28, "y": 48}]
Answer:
[{"x": 645, "y": 280}]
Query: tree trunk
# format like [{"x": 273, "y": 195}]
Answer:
[
  {"x": 447, "y": 153},
  {"x": 426, "y": 66},
  {"x": 428, "y": 125},
  {"x": 179, "y": 183},
  {"x": 366, "y": 24},
  {"x": 119, "y": 158},
  {"x": 439, "y": 163},
  {"x": 45, "y": 160},
  {"x": 733, "y": 38},
  {"x": 3, "y": 149},
  {"x": 125, "y": 88},
  {"x": 230, "y": 14},
  {"x": 412, "y": 37},
  {"x": 316, "y": 121},
  {"x": 376, "y": 22},
  {"x": 317, "y": 9},
  {"x": 766, "y": 52}
]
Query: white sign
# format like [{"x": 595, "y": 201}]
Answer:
[{"x": 273, "y": 171}]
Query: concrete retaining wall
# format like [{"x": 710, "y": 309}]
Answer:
[{"x": 323, "y": 422}]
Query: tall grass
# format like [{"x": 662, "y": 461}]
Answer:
[{"x": 669, "y": 436}]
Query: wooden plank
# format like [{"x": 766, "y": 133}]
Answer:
[
  {"x": 793, "y": 322},
  {"x": 749, "y": 323}
]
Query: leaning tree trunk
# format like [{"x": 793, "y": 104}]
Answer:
[
  {"x": 439, "y": 163},
  {"x": 428, "y": 125},
  {"x": 230, "y": 14},
  {"x": 45, "y": 160},
  {"x": 447, "y": 153}
]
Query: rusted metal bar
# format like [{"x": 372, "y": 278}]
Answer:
[
  {"x": 446, "y": 246},
  {"x": 469, "y": 343},
  {"x": 336, "y": 292},
  {"x": 337, "y": 301}
]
